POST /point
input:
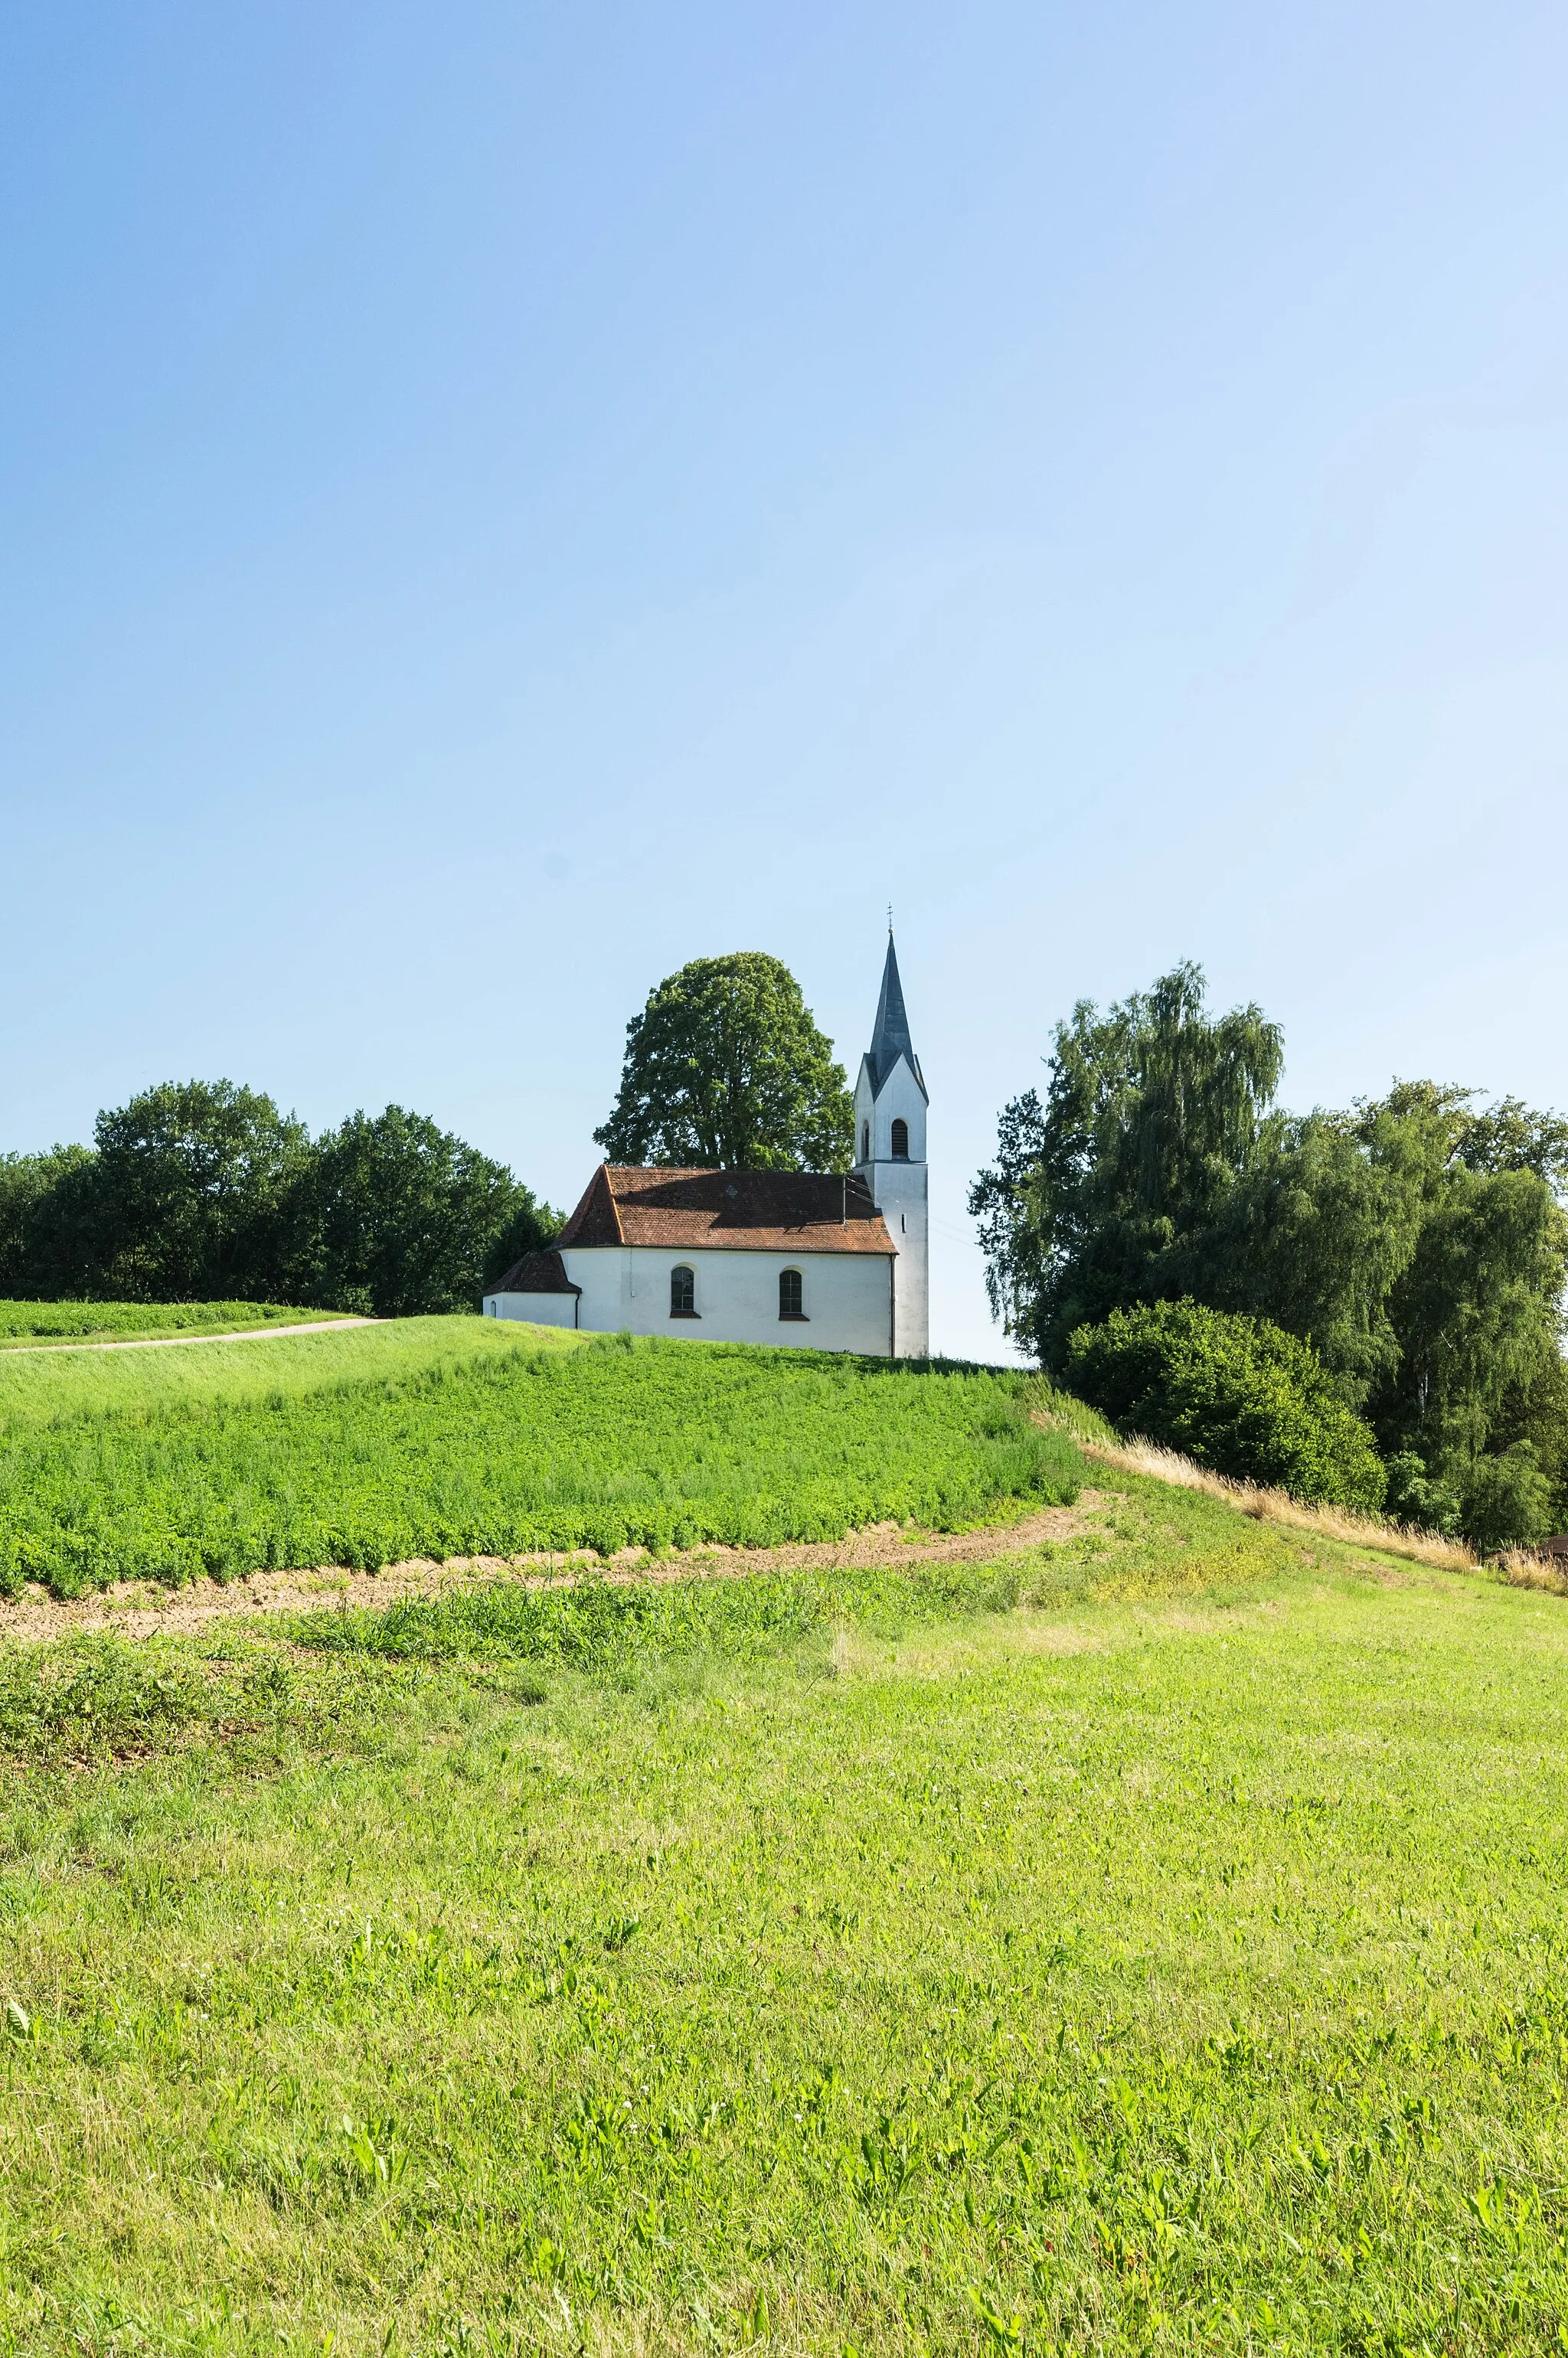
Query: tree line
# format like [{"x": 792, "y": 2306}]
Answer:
[
  {"x": 1417, "y": 1243},
  {"x": 1414, "y": 1245},
  {"x": 203, "y": 1191}
]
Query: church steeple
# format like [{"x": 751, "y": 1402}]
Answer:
[
  {"x": 890, "y": 1037},
  {"x": 891, "y": 1113}
]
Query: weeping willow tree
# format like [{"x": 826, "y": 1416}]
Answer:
[
  {"x": 1099, "y": 1195},
  {"x": 1417, "y": 1244}
]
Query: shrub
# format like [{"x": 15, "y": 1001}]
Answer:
[
  {"x": 1416, "y": 1495},
  {"x": 1508, "y": 1500},
  {"x": 1497, "y": 1499},
  {"x": 1236, "y": 1394}
]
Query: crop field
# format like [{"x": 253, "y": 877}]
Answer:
[
  {"x": 1154, "y": 1943},
  {"x": 461, "y": 1440},
  {"x": 38, "y": 1323}
]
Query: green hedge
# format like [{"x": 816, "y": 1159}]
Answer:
[{"x": 1237, "y": 1394}]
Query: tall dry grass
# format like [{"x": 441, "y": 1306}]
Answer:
[
  {"x": 1522, "y": 1568},
  {"x": 1267, "y": 1506},
  {"x": 1518, "y": 1567}
]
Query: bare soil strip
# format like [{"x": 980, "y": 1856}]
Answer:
[
  {"x": 141, "y": 1608},
  {"x": 169, "y": 1342}
]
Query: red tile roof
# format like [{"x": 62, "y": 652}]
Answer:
[{"x": 732, "y": 1211}]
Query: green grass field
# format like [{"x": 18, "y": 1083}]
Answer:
[
  {"x": 66, "y": 1323},
  {"x": 441, "y": 1437},
  {"x": 80, "y": 1387},
  {"x": 1154, "y": 1944}
]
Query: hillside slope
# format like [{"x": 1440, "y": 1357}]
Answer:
[
  {"x": 369, "y": 1447},
  {"x": 68, "y": 1326},
  {"x": 1152, "y": 1942}
]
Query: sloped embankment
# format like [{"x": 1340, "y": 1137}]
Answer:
[{"x": 498, "y": 1449}]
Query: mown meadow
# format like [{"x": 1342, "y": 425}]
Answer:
[
  {"x": 1151, "y": 1943},
  {"x": 67, "y": 1323},
  {"x": 447, "y": 1436}
]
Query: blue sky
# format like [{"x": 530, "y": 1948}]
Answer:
[{"x": 499, "y": 501}]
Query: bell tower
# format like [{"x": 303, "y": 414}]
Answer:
[{"x": 890, "y": 1148}]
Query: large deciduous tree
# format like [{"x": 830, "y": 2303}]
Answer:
[
  {"x": 181, "y": 1199},
  {"x": 203, "y": 1191},
  {"x": 724, "y": 1066},
  {"x": 1100, "y": 1196},
  {"x": 45, "y": 1223},
  {"x": 1417, "y": 1244},
  {"x": 396, "y": 1216}
]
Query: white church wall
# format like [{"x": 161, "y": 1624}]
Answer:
[
  {"x": 845, "y": 1296},
  {"x": 603, "y": 1277},
  {"x": 538, "y": 1309},
  {"x": 901, "y": 1099},
  {"x": 900, "y": 1190}
]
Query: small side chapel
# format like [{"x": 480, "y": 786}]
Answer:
[{"x": 829, "y": 1261}]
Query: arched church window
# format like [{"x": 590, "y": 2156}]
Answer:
[
  {"x": 683, "y": 1291},
  {"x": 790, "y": 1293},
  {"x": 901, "y": 1142}
]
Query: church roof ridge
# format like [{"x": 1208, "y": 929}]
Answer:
[{"x": 744, "y": 1210}]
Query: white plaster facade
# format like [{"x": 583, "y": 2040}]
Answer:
[
  {"x": 845, "y": 1298},
  {"x": 899, "y": 1189},
  {"x": 889, "y": 1146}
]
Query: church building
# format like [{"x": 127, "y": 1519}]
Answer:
[{"x": 828, "y": 1261}]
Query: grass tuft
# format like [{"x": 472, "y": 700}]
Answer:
[
  {"x": 605, "y": 1627},
  {"x": 100, "y": 1696}
]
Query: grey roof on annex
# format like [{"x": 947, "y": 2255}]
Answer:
[{"x": 542, "y": 1272}]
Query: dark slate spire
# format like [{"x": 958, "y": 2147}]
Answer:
[
  {"x": 892, "y": 1032},
  {"x": 891, "y": 1039}
]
